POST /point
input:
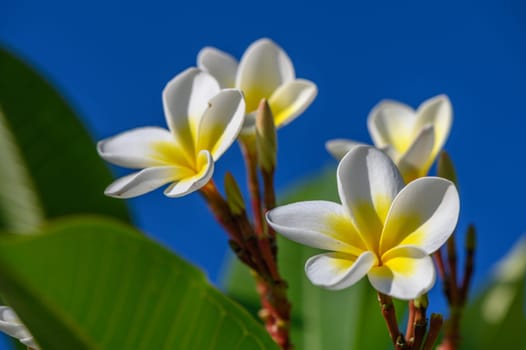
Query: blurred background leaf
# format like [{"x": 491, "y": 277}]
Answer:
[
  {"x": 94, "y": 284},
  {"x": 496, "y": 319},
  {"x": 50, "y": 166},
  {"x": 321, "y": 319}
]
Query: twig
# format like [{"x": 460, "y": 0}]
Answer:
[
  {"x": 435, "y": 324},
  {"x": 420, "y": 324},
  {"x": 389, "y": 314},
  {"x": 410, "y": 328}
]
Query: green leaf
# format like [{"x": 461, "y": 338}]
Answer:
[
  {"x": 50, "y": 166},
  {"x": 497, "y": 317},
  {"x": 95, "y": 284},
  {"x": 321, "y": 319}
]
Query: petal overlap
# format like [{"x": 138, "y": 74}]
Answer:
[
  {"x": 406, "y": 273},
  {"x": 423, "y": 214},
  {"x": 265, "y": 71},
  {"x": 412, "y": 138},
  {"x": 367, "y": 184},
  {"x": 219, "y": 64}
]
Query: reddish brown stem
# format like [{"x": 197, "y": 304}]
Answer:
[
  {"x": 221, "y": 212},
  {"x": 469, "y": 264},
  {"x": 275, "y": 311},
  {"x": 452, "y": 263},
  {"x": 389, "y": 314},
  {"x": 269, "y": 199},
  {"x": 435, "y": 324},
  {"x": 410, "y": 328},
  {"x": 420, "y": 327},
  {"x": 441, "y": 268},
  {"x": 255, "y": 252},
  {"x": 249, "y": 154}
]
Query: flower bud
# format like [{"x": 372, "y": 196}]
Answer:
[
  {"x": 445, "y": 168},
  {"x": 266, "y": 137},
  {"x": 422, "y": 302},
  {"x": 234, "y": 197}
]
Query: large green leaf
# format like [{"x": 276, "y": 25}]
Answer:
[
  {"x": 322, "y": 319},
  {"x": 497, "y": 317},
  {"x": 94, "y": 284},
  {"x": 49, "y": 163}
]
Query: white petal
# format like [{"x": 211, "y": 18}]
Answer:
[
  {"x": 406, "y": 273},
  {"x": 391, "y": 123},
  {"x": 221, "y": 122},
  {"x": 436, "y": 111},
  {"x": 368, "y": 181},
  {"x": 219, "y": 64},
  {"x": 318, "y": 224},
  {"x": 291, "y": 99},
  {"x": 340, "y": 147},
  {"x": 424, "y": 214},
  {"x": 262, "y": 69},
  {"x": 338, "y": 270},
  {"x": 144, "y": 181},
  {"x": 416, "y": 161},
  {"x": 189, "y": 184},
  {"x": 134, "y": 148},
  {"x": 185, "y": 98},
  {"x": 11, "y": 325}
]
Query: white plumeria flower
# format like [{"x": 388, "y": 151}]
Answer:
[
  {"x": 382, "y": 229},
  {"x": 203, "y": 121},
  {"x": 265, "y": 71},
  {"x": 411, "y": 138},
  {"x": 11, "y": 325}
]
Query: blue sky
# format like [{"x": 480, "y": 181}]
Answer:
[{"x": 111, "y": 61}]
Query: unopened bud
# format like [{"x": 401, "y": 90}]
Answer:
[
  {"x": 446, "y": 169},
  {"x": 266, "y": 137},
  {"x": 234, "y": 197}
]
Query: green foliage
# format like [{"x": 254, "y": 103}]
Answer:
[
  {"x": 321, "y": 319},
  {"x": 94, "y": 284},
  {"x": 50, "y": 166},
  {"x": 497, "y": 317}
]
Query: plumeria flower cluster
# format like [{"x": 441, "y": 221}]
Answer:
[
  {"x": 381, "y": 229},
  {"x": 205, "y": 109},
  {"x": 411, "y": 138},
  {"x": 208, "y": 108}
]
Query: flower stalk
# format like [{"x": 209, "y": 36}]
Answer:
[
  {"x": 388, "y": 312},
  {"x": 455, "y": 288},
  {"x": 255, "y": 243}
]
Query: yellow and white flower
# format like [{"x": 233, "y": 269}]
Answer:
[
  {"x": 11, "y": 325},
  {"x": 264, "y": 72},
  {"x": 203, "y": 122},
  {"x": 411, "y": 138},
  {"x": 382, "y": 229}
]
